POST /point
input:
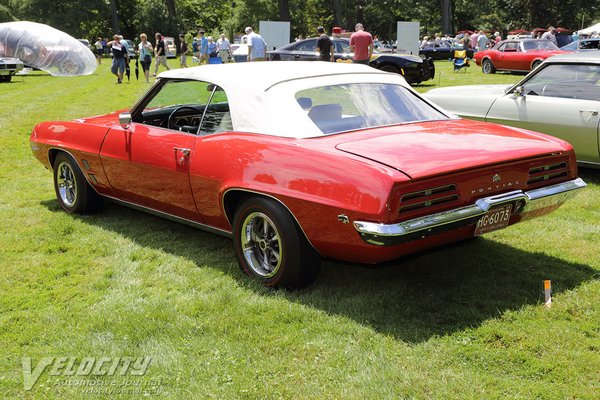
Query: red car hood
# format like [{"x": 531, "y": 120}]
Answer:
[{"x": 425, "y": 149}]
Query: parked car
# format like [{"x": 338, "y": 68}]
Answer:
[
  {"x": 441, "y": 51},
  {"x": 413, "y": 68},
  {"x": 131, "y": 48},
  {"x": 306, "y": 160},
  {"x": 239, "y": 52},
  {"x": 9, "y": 67},
  {"x": 170, "y": 47},
  {"x": 560, "y": 98},
  {"x": 583, "y": 44},
  {"x": 86, "y": 43},
  {"x": 516, "y": 55},
  {"x": 43, "y": 47}
]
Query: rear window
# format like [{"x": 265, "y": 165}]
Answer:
[{"x": 341, "y": 108}]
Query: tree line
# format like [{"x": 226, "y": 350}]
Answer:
[{"x": 92, "y": 18}]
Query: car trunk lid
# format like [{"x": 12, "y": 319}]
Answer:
[{"x": 425, "y": 149}]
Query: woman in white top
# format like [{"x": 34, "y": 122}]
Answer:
[
  {"x": 99, "y": 50},
  {"x": 145, "y": 50}
]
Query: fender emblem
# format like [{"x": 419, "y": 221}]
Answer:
[{"x": 496, "y": 178}]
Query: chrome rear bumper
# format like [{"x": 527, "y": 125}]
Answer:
[{"x": 429, "y": 225}]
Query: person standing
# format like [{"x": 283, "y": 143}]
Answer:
[
  {"x": 550, "y": 34},
  {"x": 257, "y": 47},
  {"x": 99, "y": 50},
  {"x": 145, "y": 50},
  {"x": 482, "y": 41},
  {"x": 497, "y": 37},
  {"x": 361, "y": 43},
  {"x": 224, "y": 47},
  {"x": 203, "y": 47},
  {"x": 324, "y": 46},
  {"x": 473, "y": 40},
  {"x": 159, "y": 52},
  {"x": 119, "y": 55},
  {"x": 183, "y": 50}
]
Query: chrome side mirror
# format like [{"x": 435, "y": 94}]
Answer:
[
  {"x": 519, "y": 91},
  {"x": 125, "y": 120}
]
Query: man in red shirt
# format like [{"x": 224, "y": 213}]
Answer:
[{"x": 361, "y": 43}]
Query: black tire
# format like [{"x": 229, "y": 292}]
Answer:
[
  {"x": 5, "y": 78},
  {"x": 487, "y": 67},
  {"x": 535, "y": 64},
  {"x": 73, "y": 192},
  {"x": 390, "y": 68},
  {"x": 270, "y": 247}
]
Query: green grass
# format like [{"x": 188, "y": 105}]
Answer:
[{"x": 463, "y": 321}]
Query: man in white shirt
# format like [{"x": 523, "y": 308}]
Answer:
[
  {"x": 223, "y": 47},
  {"x": 257, "y": 47},
  {"x": 550, "y": 34}
]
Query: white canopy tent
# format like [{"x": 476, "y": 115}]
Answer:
[{"x": 590, "y": 30}]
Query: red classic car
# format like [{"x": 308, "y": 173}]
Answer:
[
  {"x": 515, "y": 55},
  {"x": 299, "y": 160}
]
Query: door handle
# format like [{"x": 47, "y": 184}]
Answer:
[
  {"x": 185, "y": 154},
  {"x": 592, "y": 113}
]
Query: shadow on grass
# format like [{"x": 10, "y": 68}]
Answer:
[{"x": 412, "y": 299}]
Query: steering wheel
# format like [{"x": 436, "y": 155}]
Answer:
[{"x": 174, "y": 112}]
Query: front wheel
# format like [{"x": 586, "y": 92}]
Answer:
[
  {"x": 488, "y": 67},
  {"x": 270, "y": 247},
  {"x": 73, "y": 192}
]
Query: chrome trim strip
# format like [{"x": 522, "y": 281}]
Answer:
[
  {"x": 171, "y": 217},
  {"x": 429, "y": 225}
]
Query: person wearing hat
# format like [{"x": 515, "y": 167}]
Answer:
[
  {"x": 257, "y": 47},
  {"x": 324, "y": 46}
]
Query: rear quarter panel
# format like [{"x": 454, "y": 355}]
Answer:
[{"x": 313, "y": 180}]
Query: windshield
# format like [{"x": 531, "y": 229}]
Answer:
[
  {"x": 539, "y": 45},
  {"x": 340, "y": 108}
]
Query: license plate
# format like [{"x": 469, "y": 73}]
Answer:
[{"x": 493, "y": 220}]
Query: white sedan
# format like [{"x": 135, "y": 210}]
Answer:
[{"x": 560, "y": 98}]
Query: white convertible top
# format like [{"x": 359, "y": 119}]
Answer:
[{"x": 261, "y": 95}]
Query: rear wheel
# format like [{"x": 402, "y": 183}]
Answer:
[
  {"x": 488, "y": 67},
  {"x": 535, "y": 64},
  {"x": 270, "y": 247},
  {"x": 73, "y": 192}
]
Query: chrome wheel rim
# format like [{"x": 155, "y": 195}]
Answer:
[
  {"x": 261, "y": 244},
  {"x": 486, "y": 67},
  {"x": 67, "y": 185}
]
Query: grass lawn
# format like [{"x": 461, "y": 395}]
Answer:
[{"x": 464, "y": 321}]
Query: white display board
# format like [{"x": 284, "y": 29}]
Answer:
[
  {"x": 408, "y": 37},
  {"x": 275, "y": 33}
]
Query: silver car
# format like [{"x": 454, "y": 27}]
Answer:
[{"x": 560, "y": 98}]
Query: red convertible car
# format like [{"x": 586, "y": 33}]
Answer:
[
  {"x": 516, "y": 55},
  {"x": 301, "y": 160}
]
